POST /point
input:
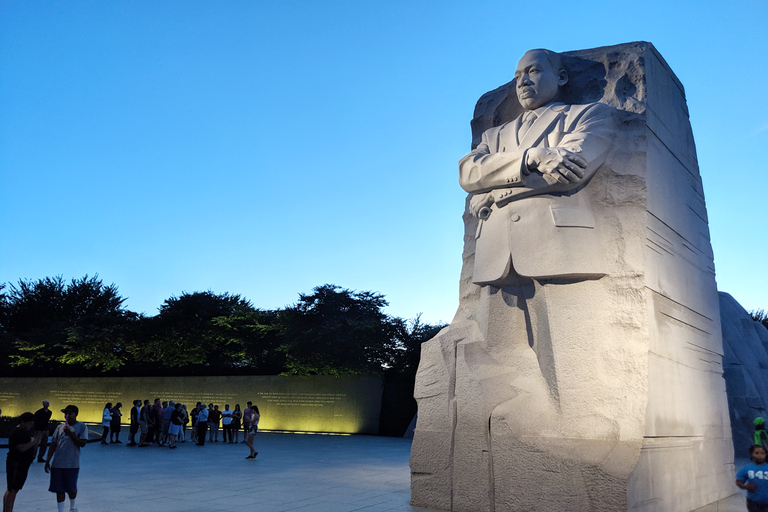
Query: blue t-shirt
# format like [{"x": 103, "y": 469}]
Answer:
[{"x": 759, "y": 476}]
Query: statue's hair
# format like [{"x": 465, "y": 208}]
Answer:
[{"x": 553, "y": 58}]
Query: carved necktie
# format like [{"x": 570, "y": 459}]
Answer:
[{"x": 528, "y": 119}]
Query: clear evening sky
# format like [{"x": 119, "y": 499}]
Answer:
[{"x": 264, "y": 148}]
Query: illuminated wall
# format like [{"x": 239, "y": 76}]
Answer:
[{"x": 310, "y": 404}]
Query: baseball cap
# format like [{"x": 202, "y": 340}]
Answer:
[{"x": 71, "y": 408}]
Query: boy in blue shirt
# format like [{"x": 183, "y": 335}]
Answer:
[{"x": 754, "y": 479}]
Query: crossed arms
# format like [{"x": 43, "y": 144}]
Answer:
[{"x": 498, "y": 175}]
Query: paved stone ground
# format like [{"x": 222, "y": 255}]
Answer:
[{"x": 293, "y": 472}]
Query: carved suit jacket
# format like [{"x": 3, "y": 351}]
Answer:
[{"x": 537, "y": 229}]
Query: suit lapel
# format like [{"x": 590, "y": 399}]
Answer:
[
  {"x": 541, "y": 126},
  {"x": 506, "y": 136}
]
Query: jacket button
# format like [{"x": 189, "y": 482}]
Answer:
[{"x": 514, "y": 217}]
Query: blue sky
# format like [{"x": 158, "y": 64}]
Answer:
[{"x": 264, "y": 148}]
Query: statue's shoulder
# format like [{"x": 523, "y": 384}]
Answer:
[
  {"x": 493, "y": 131},
  {"x": 596, "y": 108}
]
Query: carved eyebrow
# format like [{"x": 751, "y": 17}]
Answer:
[{"x": 527, "y": 69}]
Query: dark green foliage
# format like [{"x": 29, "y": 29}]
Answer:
[
  {"x": 760, "y": 315},
  {"x": 52, "y": 327},
  {"x": 184, "y": 334},
  {"x": 257, "y": 336},
  {"x": 409, "y": 335},
  {"x": 49, "y": 323},
  {"x": 334, "y": 331}
]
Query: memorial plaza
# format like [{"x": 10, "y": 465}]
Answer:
[{"x": 293, "y": 472}]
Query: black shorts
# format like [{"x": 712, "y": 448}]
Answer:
[
  {"x": 64, "y": 480},
  {"x": 756, "y": 506},
  {"x": 16, "y": 473}
]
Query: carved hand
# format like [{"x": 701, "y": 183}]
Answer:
[
  {"x": 479, "y": 201},
  {"x": 557, "y": 165}
]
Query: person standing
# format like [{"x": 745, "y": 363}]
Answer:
[
  {"x": 184, "y": 422},
  {"x": 135, "y": 411},
  {"x": 144, "y": 418},
  {"x": 168, "y": 408},
  {"x": 214, "y": 417},
  {"x": 66, "y": 442},
  {"x": 157, "y": 421},
  {"x": 21, "y": 453},
  {"x": 251, "y": 435},
  {"x": 226, "y": 422},
  {"x": 193, "y": 417},
  {"x": 202, "y": 424},
  {"x": 114, "y": 426},
  {"x": 247, "y": 415},
  {"x": 753, "y": 478},
  {"x": 761, "y": 437},
  {"x": 237, "y": 416},
  {"x": 42, "y": 417},
  {"x": 177, "y": 419},
  {"x": 106, "y": 421}
]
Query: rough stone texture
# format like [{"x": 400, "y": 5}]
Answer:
[
  {"x": 626, "y": 409},
  {"x": 745, "y": 365}
]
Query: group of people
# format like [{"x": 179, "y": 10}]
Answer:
[
  {"x": 165, "y": 423},
  {"x": 162, "y": 423}
]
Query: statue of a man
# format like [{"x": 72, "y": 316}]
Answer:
[
  {"x": 537, "y": 249},
  {"x": 526, "y": 351},
  {"x": 549, "y": 153}
]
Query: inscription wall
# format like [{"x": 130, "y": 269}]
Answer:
[{"x": 348, "y": 405}]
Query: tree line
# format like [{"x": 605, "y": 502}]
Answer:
[{"x": 51, "y": 327}]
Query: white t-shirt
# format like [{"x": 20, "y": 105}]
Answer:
[{"x": 67, "y": 453}]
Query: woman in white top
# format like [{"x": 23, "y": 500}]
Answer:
[
  {"x": 252, "y": 432},
  {"x": 106, "y": 421}
]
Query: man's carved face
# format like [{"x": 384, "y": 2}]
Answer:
[{"x": 537, "y": 81}]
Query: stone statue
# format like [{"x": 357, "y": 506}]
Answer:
[
  {"x": 553, "y": 148},
  {"x": 537, "y": 396}
]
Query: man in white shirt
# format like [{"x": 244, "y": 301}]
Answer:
[{"x": 66, "y": 442}]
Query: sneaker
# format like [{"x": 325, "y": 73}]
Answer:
[{"x": 251, "y": 457}]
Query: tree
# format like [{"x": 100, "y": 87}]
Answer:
[
  {"x": 258, "y": 336},
  {"x": 335, "y": 331},
  {"x": 760, "y": 315},
  {"x": 81, "y": 324},
  {"x": 410, "y": 334},
  {"x": 186, "y": 332}
]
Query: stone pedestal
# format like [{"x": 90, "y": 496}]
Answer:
[{"x": 598, "y": 392}]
